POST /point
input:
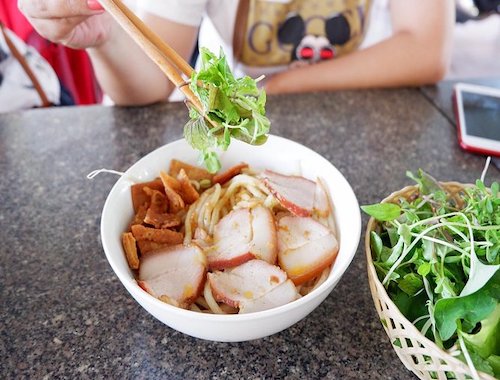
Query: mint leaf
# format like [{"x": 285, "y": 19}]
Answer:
[
  {"x": 383, "y": 212},
  {"x": 236, "y": 106}
]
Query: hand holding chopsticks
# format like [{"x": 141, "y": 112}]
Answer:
[{"x": 167, "y": 59}]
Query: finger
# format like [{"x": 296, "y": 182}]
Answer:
[
  {"x": 50, "y": 9},
  {"x": 58, "y": 30}
]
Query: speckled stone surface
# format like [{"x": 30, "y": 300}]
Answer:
[
  {"x": 64, "y": 313},
  {"x": 441, "y": 94}
]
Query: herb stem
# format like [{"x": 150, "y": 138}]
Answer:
[{"x": 468, "y": 359}]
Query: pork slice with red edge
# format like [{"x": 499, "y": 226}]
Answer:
[
  {"x": 177, "y": 272},
  {"x": 248, "y": 281},
  {"x": 321, "y": 206},
  {"x": 294, "y": 193},
  {"x": 282, "y": 294},
  {"x": 295, "y": 231},
  {"x": 232, "y": 241},
  {"x": 242, "y": 235},
  {"x": 306, "y": 248},
  {"x": 264, "y": 243}
]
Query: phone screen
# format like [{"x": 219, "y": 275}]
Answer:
[{"x": 482, "y": 115}]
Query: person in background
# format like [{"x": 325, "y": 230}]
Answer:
[
  {"x": 300, "y": 45},
  {"x": 39, "y": 72},
  {"x": 26, "y": 79}
]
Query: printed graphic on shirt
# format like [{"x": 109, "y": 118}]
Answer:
[{"x": 280, "y": 32}]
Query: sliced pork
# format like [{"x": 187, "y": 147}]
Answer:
[
  {"x": 242, "y": 235},
  {"x": 282, "y": 294},
  {"x": 249, "y": 281},
  {"x": 306, "y": 247},
  {"x": 176, "y": 273},
  {"x": 232, "y": 240},
  {"x": 321, "y": 205},
  {"x": 294, "y": 193},
  {"x": 264, "y": 235}
]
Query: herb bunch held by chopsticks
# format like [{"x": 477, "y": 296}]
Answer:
[
  {"x": 235, "y": 106},
  {"x": 438, "y": 256}
]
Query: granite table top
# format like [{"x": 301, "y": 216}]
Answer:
[{"x": 65, "y": 314}]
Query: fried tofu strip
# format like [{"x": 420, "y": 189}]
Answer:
[
  {"x": 193, "y": 172},
  {"x": 130, "y": 248},
  {"x": 175, "y": 201},
  {"x": 139, "y": 215},
  {"x": 148, "y": 246},
  {"x": 222, "y": 178},
  {"x": 187, "y": 191},
  {"x": 139, "y": 197},
  {"x": 159, "y": 202},
  {"x": 164, "y": 236},
  {"x": 162, "y": 220},
  {"x": 171, "y": 181}
]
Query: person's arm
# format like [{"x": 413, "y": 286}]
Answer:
[
  {"x": 124, "y": 72},
  {"x": 127, "y": 75},
  {"x": 418, "y": 52}
]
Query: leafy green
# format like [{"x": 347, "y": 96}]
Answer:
[
  {"x": 471, "y": 308},
  {"x": 494, "y": 362},
  {"x": 437, "y": 254},
  {"x": 232, "y": 108},
  {"x": 487, "y": 341},
  {"x": 383, "y": 211}
]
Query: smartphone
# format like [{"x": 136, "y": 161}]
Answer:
[{"x": 477, "y": 112}]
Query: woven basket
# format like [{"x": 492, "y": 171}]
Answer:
[{"x": 419, "y": 354}]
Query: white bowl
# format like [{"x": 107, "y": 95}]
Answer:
[{"x": 278, "y": 154}]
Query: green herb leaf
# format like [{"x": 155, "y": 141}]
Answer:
[
  {"x": 376, "y": 243},
  {"x": 424, "y": 269},
  {"x": 494, "y": 362},
  {"x": 411, "y": 284},
  {"x": 237, "y": 106},
  {"x": 472, "y": 308},
  {"x": 426, "y": 182},
  {"x": 383, "y": 212},
  {"x": 486, "y": 342},
  {"x": 440, "y": 264}
]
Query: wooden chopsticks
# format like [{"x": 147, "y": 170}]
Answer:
[{"x": 167, "y": 59}]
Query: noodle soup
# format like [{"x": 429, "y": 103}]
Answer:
[
  {"x": 278, "y": 155},
  {"x": 240, "y": 241}
]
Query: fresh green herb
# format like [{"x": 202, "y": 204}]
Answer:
[
  {"x": 235, "y": 105},
  {"x": 383, "y": 211},
  {"x": 437, "y": 254}
]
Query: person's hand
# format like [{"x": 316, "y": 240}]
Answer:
[{"x": 75, "y": 23}]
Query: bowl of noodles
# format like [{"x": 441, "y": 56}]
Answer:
[{"x": 209, "y": 310}]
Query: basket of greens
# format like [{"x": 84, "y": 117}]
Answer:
[{"x": 433, "y": 253}]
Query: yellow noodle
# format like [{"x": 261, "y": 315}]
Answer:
[
  {"x": 192, "y": 213},
  {"x": 242, "y": 191},
  {"x": 195, "y": 184},
  {"x": 212, "y": 303}
]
